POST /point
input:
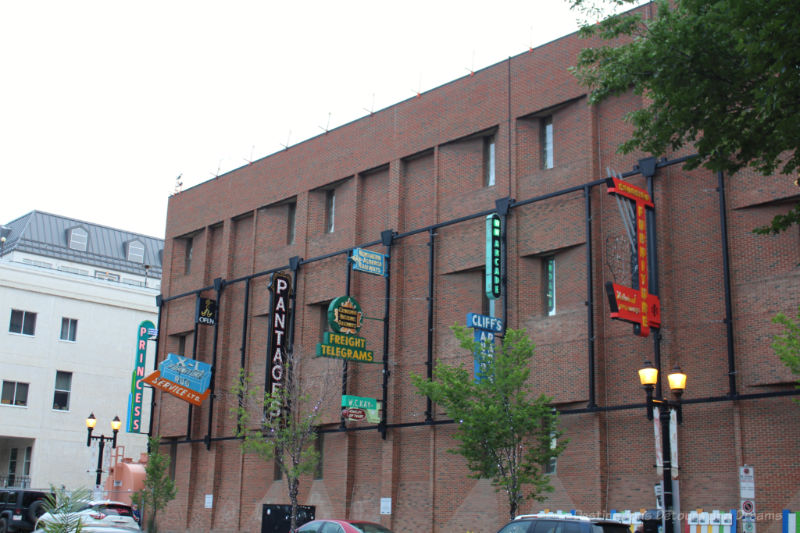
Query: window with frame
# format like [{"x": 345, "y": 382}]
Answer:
[
  {"x": 69, "y": 329},
  {"x": 78, "y": 239},
  {"x": 63, "y": 387},
  {"x": 546, "y": 139},
  {"x": 12, "y": 467},
  {"x": 22, "y": 322},
  {"x": 136, "y": 252},
  {"x": 489, "y": 161},
  {"x": 330, "y": 210},
  {"x": 291, "y": 214},
  {"x": 14, "y": 393},
  {"x": 549, "y": 276}
]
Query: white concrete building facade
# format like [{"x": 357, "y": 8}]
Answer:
[{"x": 72, "y": 297}]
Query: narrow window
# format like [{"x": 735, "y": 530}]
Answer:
[
  {"x": 78, "y": 239},
  {"x": 187, "y": 258},
  {"x": 22, "y": 322},
  {"x": 547, "y": 142},
  {"x": 277, "y": 473},
  {"x": 318, "y": 446},
  {"x": 69, "y": 329},
  {"x": 182, "y": 345},
  {"x": 330, "y": 210},
  {"x": 173, "y": 458},
  {"x": 62, "y": 390},
  {"x": 550, "y": 285},
  {"x": 290, "y": 222},
  {"x": 26, "y": 467},
  {"x": 550, "y": 468},
  {"x": 12, "y": 467},
  {"x": 488, "y": 161},
  {"x": 14, "y": 393},
  {"x": 323, "y": 319}
]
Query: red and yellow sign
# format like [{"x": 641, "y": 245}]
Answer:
[
  {"x": 635, "y": 305},
  {"x": 179, "y": 391}
]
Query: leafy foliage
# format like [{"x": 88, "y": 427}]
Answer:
[
  {"x": 722, "y": 76},
  {"x": 787, "y": 344},
  {"x": 159, "y": 489},
  {"x": 503, "y": 433},
  {"x": 288, "y": 438},
  {"x": 61, "y": 506}
]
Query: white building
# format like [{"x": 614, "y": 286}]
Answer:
[{"x": 72, "y": 297}]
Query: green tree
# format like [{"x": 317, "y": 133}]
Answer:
[
  {"x": 503, "y": 432},
  {"x": 159, "y": 489},
  {"x": 787, "y": 344},
  {"x": 61, "y": 507},
  {"x": 286, "y": 427},
  {"x": 722, "y": 76}
]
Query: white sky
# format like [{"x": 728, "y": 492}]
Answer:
[{"x": 104, "y": 103}]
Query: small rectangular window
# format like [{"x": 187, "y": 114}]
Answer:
[
  {"x": 277, "y": 473},
  {"x": 136, "y": 252},
  {"x": 550, "y": 285},
  {"x": 26, "y": 469},
  {"x": 187, "y": 258},
  {"x": 22, "y": 322},
  {"x": 323, "y": 319},
  {"x": 546, "y": 138},
  {"x": 330, "y": 210},
  {"x": 69, "y": 329},
  {"x": 290, "y": 222},
  {"x": 14, "y": 393},
  {"x": 62, "y": 389},
  {"x": 488, "y": 161}
]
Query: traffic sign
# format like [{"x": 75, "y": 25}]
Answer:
[{"x": 748, "y": 507}]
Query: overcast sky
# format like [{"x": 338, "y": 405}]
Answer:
[{"x": 103, "y": 104}]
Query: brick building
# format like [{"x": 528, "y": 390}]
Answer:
[{"x": 415, "y": 181}]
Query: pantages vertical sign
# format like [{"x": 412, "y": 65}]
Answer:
[{"x": 276, "y": 351}]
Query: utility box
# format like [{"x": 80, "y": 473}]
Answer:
[
  {"x": 278, "y": 518},
  {"x": 651, "y": 521}
]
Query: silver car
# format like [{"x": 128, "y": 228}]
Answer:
[{"x": 97, "y": 516}]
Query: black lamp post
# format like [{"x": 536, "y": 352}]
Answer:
[
  {"x": 648, "y": 376},
  {"x": 90, "y": 423}
]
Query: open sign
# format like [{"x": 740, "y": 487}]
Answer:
[{"x": 354, "y": 413}]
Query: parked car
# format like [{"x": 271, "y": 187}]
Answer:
[
  {"x": 342, "y": 526},
  {"x": 562, "y": 523},
  {"x": 97, "y": 516},
  {"x": 20, "y": 508}
]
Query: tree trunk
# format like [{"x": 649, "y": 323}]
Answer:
[{"x": 294, "y": 489}]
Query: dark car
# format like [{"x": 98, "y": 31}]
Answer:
[
  {"x": 20, "y": 508},
  {"x": 561, "y": 523},
  {"x": 342, "y": 526}
]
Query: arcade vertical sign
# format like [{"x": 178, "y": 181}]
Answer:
[
  {"x": 637, "y": 306},
  {"x": 136, "y": 396},
  {"x": 276, "y": 354}
]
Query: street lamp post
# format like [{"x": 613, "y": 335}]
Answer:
[
  {"x": 648, "y": 376},
  {"x": 90, "y": 423}
]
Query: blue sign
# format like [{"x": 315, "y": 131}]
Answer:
[
  {"x": 485, "y": 323},
  {"x": 369, "y": 261},
  {"x": 192, "y": 374},
  {"x": 485, "y": 329}
]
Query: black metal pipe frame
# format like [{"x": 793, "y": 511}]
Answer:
[
  {"x": 429, "y": 360},
  {"x": 587, "y": 206},
  {"x": 243, "y": 347},
  {"x": 159, "y": 304},
  {"x": 219, "y": 285},
  {"x": 644, "y": 164},
  {"x": 348, "y": 278},
  {"x": 387, "y": 237},
  {"x": 726, "y": 273},
  {"x": 194, "y": 356}
]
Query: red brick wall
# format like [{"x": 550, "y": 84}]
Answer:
[{"x": 419, "y": 163}]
